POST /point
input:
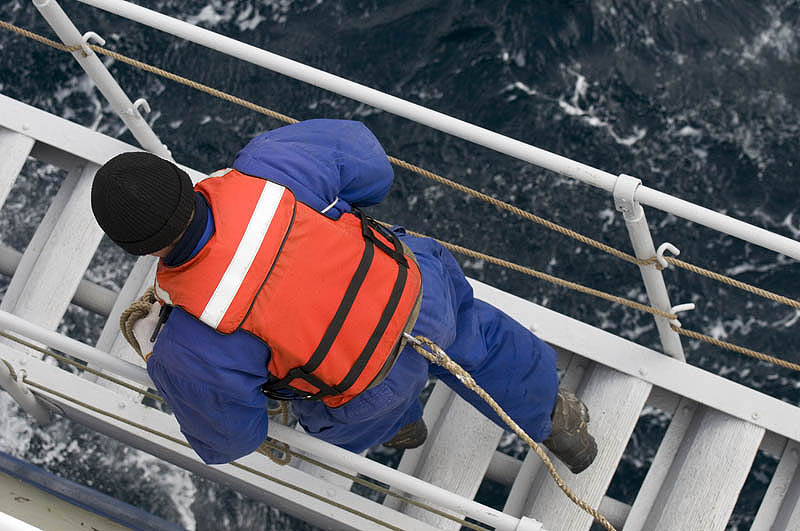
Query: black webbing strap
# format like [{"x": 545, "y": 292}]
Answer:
[
  {"x": 273, "y": 385},
  {"x": 279, "y": 388},
  {"x": 391, "y": 305},
  {"x": 396, "y": 251}
]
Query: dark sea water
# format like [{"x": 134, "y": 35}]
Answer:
[{"x": 698, "y": 98}]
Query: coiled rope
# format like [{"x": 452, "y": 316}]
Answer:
[{"x": 484, "y": 197}]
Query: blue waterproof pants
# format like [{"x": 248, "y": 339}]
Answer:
[{"x": 513, "y": 365}]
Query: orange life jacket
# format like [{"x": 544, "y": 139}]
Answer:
[{"x": 331, "y": 298}]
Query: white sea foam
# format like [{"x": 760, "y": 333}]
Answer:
[
  {"x": 779, "y": 38},
  {"x": 247, "y": 16},
  {"x": 17, "y": 428},
  {"x": 590, "y": 116}
]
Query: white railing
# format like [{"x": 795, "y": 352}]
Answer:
[{"x": 447, "y": 124}]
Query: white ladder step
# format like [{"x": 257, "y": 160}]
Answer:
[
  {"x": 698, "y": 471},
  {"x": 56, "y": 259},
  {"x": 615, "y": 401},
  {"x": 780, "y": 510},
  {"x": 457, "y": 435}
]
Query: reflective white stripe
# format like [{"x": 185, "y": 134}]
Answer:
[
  {"x": 162, "y": 293},
  {"x": 245, "y": 254}
]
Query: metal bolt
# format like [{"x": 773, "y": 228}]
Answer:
[
  {"x": 121, "y": 405},
  {"x": 755, "y": 415},
  {"x": 642, "y": 373},
  {"x": 26, "y": 126}
]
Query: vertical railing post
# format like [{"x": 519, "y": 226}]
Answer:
[
  {"x": 639, "y": 232},
  {"x": 102, "y": 78},
  {"x": 13, "y": 385}
]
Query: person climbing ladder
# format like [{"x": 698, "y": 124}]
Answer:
[{"x": 272, "y": 282}]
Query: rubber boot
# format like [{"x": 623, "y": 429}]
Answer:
[
  {"x": 570, "y": 440},
  {"x": 410, "y": 436}
]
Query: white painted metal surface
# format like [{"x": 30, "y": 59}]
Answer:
[
  {"x": 15, "y": 148},
  {"x": 446, "y": 124},
  {"x": 717, "y": 425},
  {"x": 101, "y": 77},
  {"x": 780, "y": 510},
  {"x": 708, "y": 472},
  {"x": 457, "y": 434},
  {"x": 639, "y": 232}
]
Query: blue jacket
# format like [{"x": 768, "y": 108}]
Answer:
[{"x": 212, "y": 381}]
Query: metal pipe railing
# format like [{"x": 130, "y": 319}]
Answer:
[
  {"x": 97, "y": 358},
  {"x": 642, "y": 241},
  {"x": 446, "y": 124},
  {"x": 102, "y": 78},
  {"x": 332, "y": 455}
]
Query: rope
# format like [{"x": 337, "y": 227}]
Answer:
[
  {"x": 736, "y": 348},
  {"x": 522, "y": 213},
  {"x": 194, "y": 84},
  {"x": 496, "y": 202},
  {"x": 440, "y": 357},
  {"x": 278, "y": 452},
  {"x": 186, "y": 445},
  {"x": 40, "y": 38},
  {"x": 137, "y": 310},
  {"x": 418, "y": 170},
  {"x": 550, "y": 278},
  {"x": 733, "y": 282},
  {"x": 627, "y": 302}
]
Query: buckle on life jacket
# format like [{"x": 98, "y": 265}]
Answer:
[
  {"x": 281, "y": 388},
  {"x": 368, "y": 225}
]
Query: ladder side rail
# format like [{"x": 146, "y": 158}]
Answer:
[
  {"x": 276, "y": 492},
  {"x": 102, "y": 78},
  {"x": 445, "y": 123},
  {"x": 646, "y": 364},
  {"x": 328, "y": 453}
]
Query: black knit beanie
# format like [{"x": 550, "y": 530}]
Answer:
[{"x": 141, "y": 201}]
